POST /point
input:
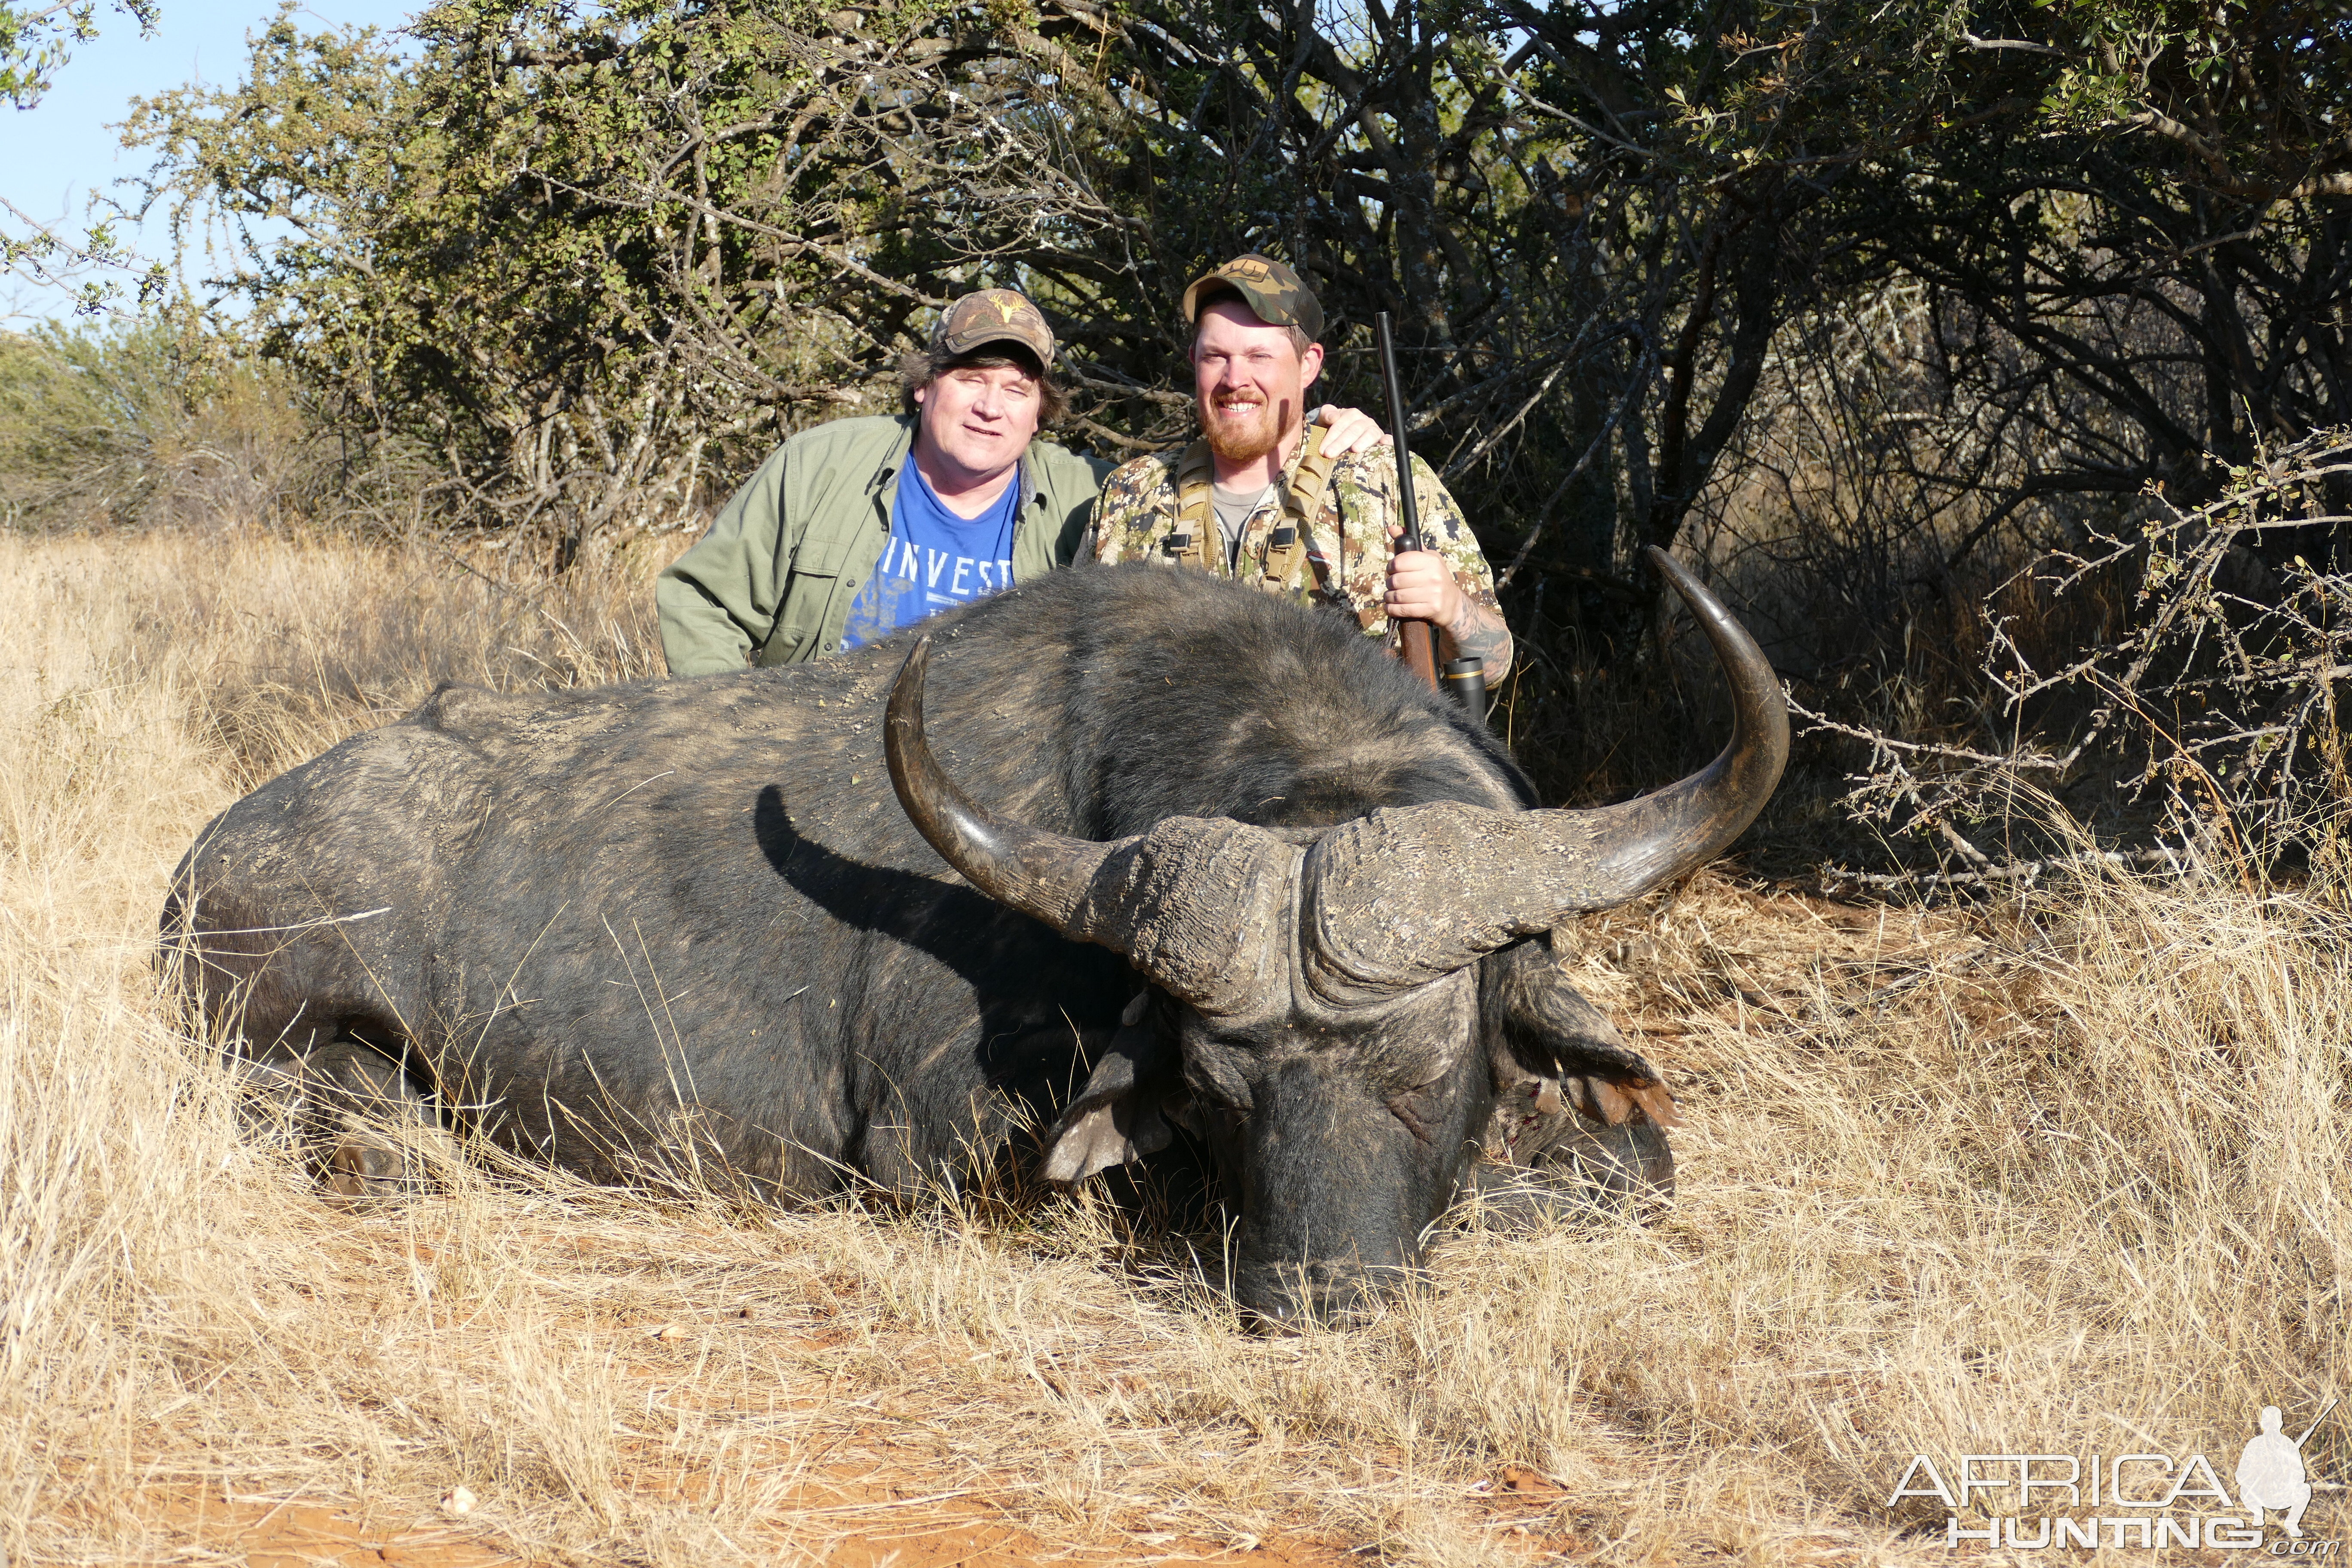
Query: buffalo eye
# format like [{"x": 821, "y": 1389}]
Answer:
[
  {"x": 1417, "y": 1108},
  {"x": 1215, "y": 1076}
]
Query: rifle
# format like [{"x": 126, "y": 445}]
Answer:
[
  {"x": 1465, "y": 678},
  {"x": 1417, "y": 640}
]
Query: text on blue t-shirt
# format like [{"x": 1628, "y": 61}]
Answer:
[{"x": 933, "y": 560}]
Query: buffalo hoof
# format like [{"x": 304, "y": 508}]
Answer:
[
  {"x": 367, "y": 1166},
  {"x": 341, "y": 1105}
]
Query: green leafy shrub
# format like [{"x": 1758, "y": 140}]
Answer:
[{"x": 151, "y": 422}]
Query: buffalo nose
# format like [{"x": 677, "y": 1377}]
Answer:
[{"x": 1290, "y": 1298}]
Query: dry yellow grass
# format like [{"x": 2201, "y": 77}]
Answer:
[{"x": 2065, "y": 1177}]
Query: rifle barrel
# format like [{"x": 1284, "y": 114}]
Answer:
[{"x": 1399, "y": 419}]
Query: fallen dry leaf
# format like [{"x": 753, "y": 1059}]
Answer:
[{"x": 1519, "y": 1478}]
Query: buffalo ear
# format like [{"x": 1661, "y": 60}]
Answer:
[
  {"x": 1552, "y": 1048},
  {"x": 1116, "y": 1116},
  {"x": 1613, "y": 1103}
]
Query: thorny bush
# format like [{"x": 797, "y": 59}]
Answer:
[{"x": 2217, "y": 707}]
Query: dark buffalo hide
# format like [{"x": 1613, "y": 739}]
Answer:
[{"x": 685, "y": 927}]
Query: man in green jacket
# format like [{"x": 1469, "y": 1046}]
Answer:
[{"x": 859, "y": 526}]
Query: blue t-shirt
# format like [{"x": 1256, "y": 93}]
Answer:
[{"x": 933, "y": 560}]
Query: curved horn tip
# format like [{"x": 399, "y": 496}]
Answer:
[
  {"x": 902, "y": 718},
  {"x": 923, "y": 789},
  {"x": 1041, "y": 874},
  {"x": 1676, "y": 574},
  {"x": 916, "y": 666},
  {"x": 1734, "y": 644}
]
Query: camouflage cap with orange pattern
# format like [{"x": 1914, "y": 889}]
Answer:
[
  {"x": 1275, "y": 294},
  {"x": 994, "y": 315}
]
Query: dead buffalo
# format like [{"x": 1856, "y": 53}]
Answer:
[{"x": 1223, "y": 864}]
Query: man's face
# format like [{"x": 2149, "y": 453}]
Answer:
[
  {"x": 1250, "y": 383},
  {"x": 976, "y": 422}
]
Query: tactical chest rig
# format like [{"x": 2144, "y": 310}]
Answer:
[{"x": 1195, "y": 535}]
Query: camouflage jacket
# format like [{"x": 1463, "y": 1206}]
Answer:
[{"x": 1345, "y": 562}]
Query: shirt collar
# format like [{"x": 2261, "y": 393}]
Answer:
[{"x": 885, "y": 472}]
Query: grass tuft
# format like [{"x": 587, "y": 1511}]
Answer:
[{"x": 2062, "y": 1175}]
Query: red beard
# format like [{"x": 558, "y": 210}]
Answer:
[{"x": 1245, "y": 440}]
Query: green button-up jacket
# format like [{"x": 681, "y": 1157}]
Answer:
[{"x": 773, "y": 579}]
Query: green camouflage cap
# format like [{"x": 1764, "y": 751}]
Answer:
[
  {"x": 1275, "y": 294},
  {"x": 994, "y": 315}
]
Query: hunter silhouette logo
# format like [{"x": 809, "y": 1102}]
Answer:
[
  {"x": 2144, "y": 1501},
  {"x": 2271, "y": 1475}
]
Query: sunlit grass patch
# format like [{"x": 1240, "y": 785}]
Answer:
[{"x": 2047, "y": 1175}]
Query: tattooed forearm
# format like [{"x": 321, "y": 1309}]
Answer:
[{"x": 1479, "y": 633}]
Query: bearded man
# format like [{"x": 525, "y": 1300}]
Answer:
[
  {"x": 857, "y": 527},
  {"x": 1260, "y": 500}
]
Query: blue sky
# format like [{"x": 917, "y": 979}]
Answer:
[{"x": 53, "y": 156}]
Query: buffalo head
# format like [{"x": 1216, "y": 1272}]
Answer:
[{"x": 1319, "y": 1012}]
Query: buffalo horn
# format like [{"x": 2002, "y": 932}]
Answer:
[
  {"x": 1407, "y": 894},
  {"x": 1041, "y": 874},
  {"x": 1645, "y": 842},
  {"x": 1197, "y": 904}
]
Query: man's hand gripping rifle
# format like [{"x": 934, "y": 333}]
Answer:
[{"x": 1465, "y": 678}]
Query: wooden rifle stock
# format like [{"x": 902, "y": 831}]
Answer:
[{"x": 1417, "y": 640}]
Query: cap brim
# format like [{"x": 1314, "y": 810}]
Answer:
[
  {"x": 953, "y": 345},
  {"x": 1252, "y": 296}
]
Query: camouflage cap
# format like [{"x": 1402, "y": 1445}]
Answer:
[
  {"x": 1275, "y": 294},
  {"x": 994, "y": 315}
]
